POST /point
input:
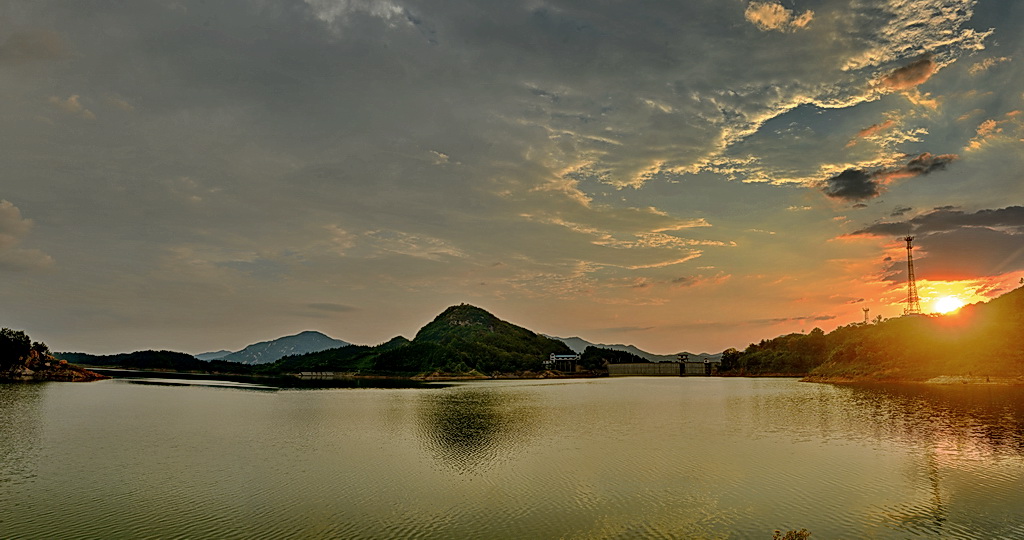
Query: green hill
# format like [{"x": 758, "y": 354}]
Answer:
[
  {"x": 462, "y": 339},
  {"x": 980, "y": 340}
]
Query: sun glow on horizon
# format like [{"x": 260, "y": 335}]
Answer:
[{"x": 947, "y": 304}]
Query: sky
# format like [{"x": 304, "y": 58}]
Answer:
[{"x": 196, "y": 175}]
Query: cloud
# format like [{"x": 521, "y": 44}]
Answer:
[
  {"x": 698, "y": 280},
  {"x": 957, "y": 245},
  {"x": 949, "y": 218},
  {"x": 900, "y": 210},
  {"x": 923, "y": 164},
  {"x": 871, "y": 131},
  {"x": 772, "y": 16},
  {"x": 1008, "y": 129},
  {"x": 910, "y": 75},
  {"x": 73, "y": 106},
  {"x": 859, "y": 184},
  {"x": 412, "y": 245},
  {"x": 852, "y": 185},
  {"x": 969, "y": 253},
  {"x": 12, "y": 226},
  {"x": 331, "y": 10},
  {"x": 120, "y": 103},
  {"x": 986, "y": 64},
  {"x": 685, "y": 281},
  {"x": 13, "y": 229}
]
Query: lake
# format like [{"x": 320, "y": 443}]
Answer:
[{"x": 599, "y": 458}]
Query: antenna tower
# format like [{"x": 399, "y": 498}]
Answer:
[{"x": 913, "y": 302}]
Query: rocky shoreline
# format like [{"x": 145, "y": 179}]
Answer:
[{"x": 39, "y": 367}]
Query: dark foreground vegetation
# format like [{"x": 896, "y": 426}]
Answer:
[{"x": 980, "y": 340}]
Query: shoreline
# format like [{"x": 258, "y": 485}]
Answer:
[
  {"x": 939, "y": 380},
  {"x": 354, "y": 376}
]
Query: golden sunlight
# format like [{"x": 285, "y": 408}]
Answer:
[{"x": 947, "y": 304}]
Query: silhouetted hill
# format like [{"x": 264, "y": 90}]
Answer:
[
  {"x": 462, "y": 339},
  {"x": 980, "y": 340},
  {"x": 266, "y": 352}
]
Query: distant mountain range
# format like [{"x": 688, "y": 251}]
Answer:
[
  {"x": 266, "y": 352},
  {"x": 578, "y": 345},
  {"x": 463, "y": 340}
]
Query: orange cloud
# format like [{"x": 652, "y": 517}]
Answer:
[
  {"x": 771, "y": 16},
  {"x": 871, "y": 130},
  {"x": 910, "y": 75}
]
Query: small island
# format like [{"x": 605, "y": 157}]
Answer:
[{"x": 22, "y": 359}]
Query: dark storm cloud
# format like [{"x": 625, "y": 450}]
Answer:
[
  {"x": 949, "y": 218},
  {"x": 925, "y": 163},
  {"x": 957, "y": 244},
  {"x": 852, "y": 185},
  {"x": 859, "y": 184},
  {"x": 971, "y": 252},
  {"x": 966, "y": 253}
]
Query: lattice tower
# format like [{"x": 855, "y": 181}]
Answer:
[{"x": 913, "y": 302}]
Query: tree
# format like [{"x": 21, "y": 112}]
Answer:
[
  {"x": 730, "y": 359},
  {"x": 14, "y": 346}
]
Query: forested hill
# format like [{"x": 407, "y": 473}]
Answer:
[
  {"x": 979, "y": 340},
  {"x": 461, "y": 340},
  {"x": 266, "y": 352}
]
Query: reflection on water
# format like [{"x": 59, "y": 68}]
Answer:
[
  {"x": 242, "y": 382},
  {"x": 466, "y": 429},
  {"x": 956, "y": 428},
  {"x": 20, "y": 428},
  {"x": 969, "y": 421},
  {"x": 622, "y": 458}
]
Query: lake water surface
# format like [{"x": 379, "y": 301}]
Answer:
[{"x": 599, "y": 458}]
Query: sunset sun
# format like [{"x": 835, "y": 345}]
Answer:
[{"x": 947, "y": 304}]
